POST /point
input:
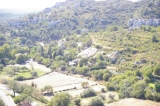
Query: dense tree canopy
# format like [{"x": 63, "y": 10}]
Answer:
[{"x": 61, "y": 99}]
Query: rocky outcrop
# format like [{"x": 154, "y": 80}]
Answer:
[{"x": 134, "y": 23}]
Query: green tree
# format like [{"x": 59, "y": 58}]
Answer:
[
  {"x": 157, "y": 96},
  {"x": 47, "y": 88},
  {"x": 34, "y": 74},
  {"x": 10, "y": 72},
  {"x": 1, "y": 67},
  {"x": 125, "y": 88},
  {"x": 148, "y": 93},
  {"x": 154, "y": 38},
  {"x": 84, "y": 70},
  {"x": 14, "y": 86},
  {"x": 76, "y": 101},
  {"x": 61, "y": 99},
  {"x": 106, "y": 76},
  {"x": 138, "y": 89},
  {"x": 84, "y": 84},
  {"x": 100, "y": 57},
  {"x": 21, "y": 59},
  {"x": 100, "y": 64},
  {"x": 147, "y": 80},
  {"x": 157, "y": 87},
  {"x": 137, "y": 73},
  {"x": 148, "y": 74},
  {"x": 88, "y": 93},
  {"x": 96, "y": 101},
  {"x": 129, "y": 73},
  {"x": 83, "y": 61}
]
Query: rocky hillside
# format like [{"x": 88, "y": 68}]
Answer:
[{"x": 82, "y": 16}]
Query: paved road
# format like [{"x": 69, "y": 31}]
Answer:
[{"x": 7, "y": 99}]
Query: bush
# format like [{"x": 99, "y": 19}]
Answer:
[
  {"x": 148, "y": 93},
  {"x": 11, "y": 62},
  {"x": 34, "y": 74},
  {"x": 60, "y": 99},
  {"x": 19, "y": 78},
  {"x": 157, "y": 87},
  {"x": 147, "y": 80},
  {"x": 77, "y": 101},
  {"x": 103, "y": 90},
  {"x": 154, "y": 38},
  {"x": 157, "y": 97},
  {"x": 88, "y": 93},
  {"x": 63, "y": 68},
  {"x": 96, "y": 101},
  {"x": 17, "y": 99},
  {"x": 20, "y": 98},
  {"x": 156, "y": 69},
  {"x": 43, "y": 100},
  {"x": 106, "y": 77}
]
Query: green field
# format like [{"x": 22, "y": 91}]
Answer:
[{"x": 28, "y": 73}]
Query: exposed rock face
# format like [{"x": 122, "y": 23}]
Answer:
[
  {"x": 134, "y": 23},
  {"x": 113, "y": 57}
]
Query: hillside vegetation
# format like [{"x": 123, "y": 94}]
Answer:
[{"x": 94, "y": 39}]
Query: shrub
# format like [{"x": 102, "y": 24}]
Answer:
[
  {"x": 157, "y": 97},
  {"x": 154, "y": 38},
  {"x": 19, "y": 78},
  {"x": 88, "y": 93},
  {"x": 157, "y": 87},
  {"x": 147, "y": 80},
  {"x": 103, "y": 90},
  {"x": 96, "y": 101},
  {"x": 156, "y": 69},
  {"x": 106, "y": 77}
]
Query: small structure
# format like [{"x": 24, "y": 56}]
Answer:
[
  {"x": 73, "y": 62},
  {"x": 79, "y": 44}
]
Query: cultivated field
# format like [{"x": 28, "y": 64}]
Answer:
[
  {"x": 62, "y": 82},
  {"x": 35, "y": 65},
  {"x": 59, "y": 82}
]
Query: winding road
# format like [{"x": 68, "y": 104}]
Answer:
[{"x": 6, "y": 98}]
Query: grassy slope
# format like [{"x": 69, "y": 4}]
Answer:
[{"x": 128, "y": 41}]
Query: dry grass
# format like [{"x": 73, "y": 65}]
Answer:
[{"x": 134, "y": 102}]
